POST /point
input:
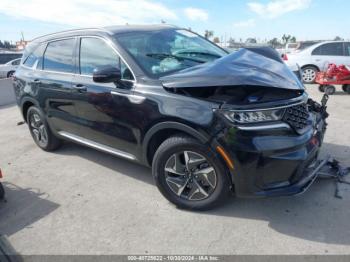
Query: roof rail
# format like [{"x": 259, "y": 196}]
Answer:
[{"x": 72, "y": 30}]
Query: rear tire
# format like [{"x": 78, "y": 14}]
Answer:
[
  {"x": 40, "y": 130},
  {"x": 10, "y": 74},
  {"x": 201, "y": 184},
  {"x": 329, "y": 90},
  {"x": 308, "y": 74},
  {"x": 346, "y": 88}
]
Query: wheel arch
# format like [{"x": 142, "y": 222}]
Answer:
[
  {"x": 26, "y": 103},
  {"x": 160, "y": 132},
  {"x": 11, "y": 71},
  {"x": 310, "y": 65}
]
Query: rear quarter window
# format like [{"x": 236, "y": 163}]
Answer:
[
  {"x": 16, "y": 62},
  {"x": 35, "y": 57}
]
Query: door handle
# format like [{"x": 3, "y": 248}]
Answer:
[
  {"x": 80, "y": 87},
  {"x": 37, "y": 81}
]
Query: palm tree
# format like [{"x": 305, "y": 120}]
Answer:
[{"x": 208, "y": 34}]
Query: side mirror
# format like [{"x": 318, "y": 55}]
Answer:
[{"x": 107, "y": 74}]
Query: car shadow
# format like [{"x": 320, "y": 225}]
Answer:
[
  {"x": 22, "y": 207},
  {"x": 315, "y": 215},
  {"x": 120, "y": 165},
  {"x": 340, "y": 93}
]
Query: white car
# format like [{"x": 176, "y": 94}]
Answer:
[
  {"x": 317, "y": 58},
  {"x": 8, "y": 69}
]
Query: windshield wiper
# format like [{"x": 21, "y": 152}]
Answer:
[
  {"x": 179, "y": 58},
  {"x": 199, "y": 53}
]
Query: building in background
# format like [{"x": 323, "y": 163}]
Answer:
[{"x": 20, "y": 45}]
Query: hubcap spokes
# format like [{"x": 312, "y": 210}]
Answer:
[
  {"x": 189, "y": 175},
  {"x": 38, "y": 129},
  {"x": 308, "y": 75}
]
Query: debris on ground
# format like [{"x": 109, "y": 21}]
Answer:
[{"x": 334, "y": 170}]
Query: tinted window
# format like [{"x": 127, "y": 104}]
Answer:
[
  {"x": 95, "y": 53},
  {"x": 36, "y": 55},
  {"x": 16, "y": 62},
  {"x": 347, "y": 49},
  {"x": 59, "y": 56},
  {"x": 304, "y": 45},
  {"x": 331, "y": 49}
]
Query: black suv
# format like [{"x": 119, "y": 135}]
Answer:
[{"x": 206, "y": 121}]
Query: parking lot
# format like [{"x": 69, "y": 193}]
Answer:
[{"x": 80, "y": 201}]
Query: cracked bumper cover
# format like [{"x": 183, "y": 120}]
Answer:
[{"x": 273, "y": 162}]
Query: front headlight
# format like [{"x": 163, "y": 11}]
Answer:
[{"x": 250, "y": 117}]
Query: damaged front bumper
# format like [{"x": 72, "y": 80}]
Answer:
[{"x": 275, "y": 160}]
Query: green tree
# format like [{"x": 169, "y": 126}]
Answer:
[
  {"x": 274, "y": 43},
  {"x": 338, "y": 38},
  {"x": 7, "y": 44},
  {"x": 285, "y": 38},
  {"x": 293, "y": 39},
  {"x": 208, "y": 34},
  {"x": 216, "y": 40}
]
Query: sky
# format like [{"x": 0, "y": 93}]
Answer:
[{"x": 239, "y": 19}]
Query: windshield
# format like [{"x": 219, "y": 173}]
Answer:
[{"x": 163, "y": 52}]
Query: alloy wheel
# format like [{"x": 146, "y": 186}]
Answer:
[
  {"x": 308, "y": 75},
  {"x": 190, "y": 176},
  {"x": 38, "y": 129}
]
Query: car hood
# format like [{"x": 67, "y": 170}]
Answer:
[{"x": 254, "y": 66}]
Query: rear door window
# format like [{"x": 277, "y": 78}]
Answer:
[
  {"x": 58, "y": 56},
  {"x": 330, "y": 49}
]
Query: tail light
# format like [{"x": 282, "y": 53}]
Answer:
[{"x": 285, "y": 57}]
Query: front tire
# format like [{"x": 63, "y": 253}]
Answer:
[
  {"x": 308, "y": 74},
  {"x": 40, "y": 130},
  {"x": 189, "y": 174}
]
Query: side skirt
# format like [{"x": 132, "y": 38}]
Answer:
[{"x": 96, "y": 145}]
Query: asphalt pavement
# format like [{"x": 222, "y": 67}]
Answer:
[{"x": 81, "y": 201}]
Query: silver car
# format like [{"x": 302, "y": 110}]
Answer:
[
  {"x": 317, "y": 58},
  {"x": 8, "y": 69}
]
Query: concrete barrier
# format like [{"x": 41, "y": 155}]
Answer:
[{"x": 7, "y": 94}]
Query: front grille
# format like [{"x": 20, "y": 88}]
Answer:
[{"x": 297, "y": 116}]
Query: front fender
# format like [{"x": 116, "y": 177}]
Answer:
[{"x": 201, "y": 136}]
